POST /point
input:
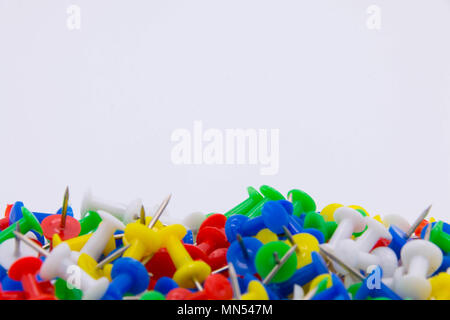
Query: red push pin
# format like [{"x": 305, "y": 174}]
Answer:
[
  {"x": 218, "y": 260},
  {"x": 382, "y": 242},
  {"x": 216, "y": 220},
  {"x": 422, "y": 225},
  {"x": 178, "y": 294},
  {"x": 4, "y": 222},
  {"x": 161, "y": 265},
  {"x": 11, "y": 295},
  {"x": 216, "y": 287},
  {"x": 211, "y": 238},
  {"x": 64, "y": 226},
  {"x": 25, "y": 270},
  {"x": 196, "y": 253}
]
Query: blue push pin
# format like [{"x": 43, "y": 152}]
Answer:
[
  {"x": 188, "y": 238},
  {"x": 278, "y": 214},
  {"x": 373, "y": 287},
  {"x": 337, "y": 291},
  {"x": 273, "y": 216},
  {"x": 241, "y": 254},
  {"x": 164, "y": 285},
  {"x": 7, "y": 283},
  {"x": 129, "y": 276},
  {"x": 119, "y": 240},
  {"x": 233, "y": 226},
  {"x": 302, "y": 276},
  {"x": 16, "y": 214}
]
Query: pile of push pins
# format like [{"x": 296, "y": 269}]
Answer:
[{"x": 267, "y": 247}]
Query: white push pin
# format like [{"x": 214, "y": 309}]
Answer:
[
  {"x": 126, "y": 214},
  {"x": 387, "y": 260},
  {"x": 59, "y": 264},
  {"x": 193, "y": 221},
  {"x": 391, "y": 281},
  {"x": 11, "y": 250},
  {"x": 420, "y": 258},
  {"x": 298, "y": 293},
  {"x": 398, "y": 221},
  {"x": 375, "y": 231},
  {"x": 349, "y": 253},
  {"x": 349, "y": 221},
  {"x": 96, "y": 244}
]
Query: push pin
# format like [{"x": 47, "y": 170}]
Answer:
[
  {"x": 129, "y": 276},
  {"x": 100, "y": 238},
  {"x": 25, "y": 270},
  {"x": 283, "y": 268},
  {"x": 59, "y": 264},
  {"x": 125, "y": 214},
  {"x": 189, "y": 273},
  {"x": 420, "y": 259},
  {"x": 27, "y": 223},
  {"x": 254, "y": 197},
  {"x": 61, "y": 224},
  {"x": 11, "y": 250},
  {"x": 241, "y": 254},
  {"x": 399, "y": 238},
  {"x": 349, "y": 221}
]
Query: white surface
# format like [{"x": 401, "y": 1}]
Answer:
[{"x": 363, "y": 114}]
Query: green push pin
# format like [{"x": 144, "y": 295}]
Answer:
[
  {"x": 439, "y": 237},
  {"x": 27, "y": 222},
  {"x": 302, "y": 202},
  {"x": 63, "y": 292},
  {"x": 90, "y": 222},
  {"x": 330, "y": 227},
  {"x": 316, "y": 221},
  {"x": 254, "y": 197},
  {"x": 153, "y": 295},
  {"x": 364, "y": 214},
  {"x": 353, "y": 289},
  {"x": 269, "y": 195},
  {"x": 271, "y": 267}
]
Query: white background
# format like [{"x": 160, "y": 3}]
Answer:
[{"x": 363, "y": 114}]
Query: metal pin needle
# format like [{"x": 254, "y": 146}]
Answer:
[
  {"x": 64, "y": 208},
  {"x": 418, "y": 222},
  {"x": 160, "y": 211},
  {"x": 278, "y": 266}
]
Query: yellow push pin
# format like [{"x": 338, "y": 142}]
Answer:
[
  {"x": 189, "y": 272},
  {"x": 266, "y": 236},
  {"x": 306, "y": 243},
  {"x": 88, "y": 264},
  {"x": 143, "y": 241},
  {"x": 315, "y": 282},
  {"x": 255, "y": 291},
  {"x": 76, "y": 244},
  {"x": 440, "y": 286},
  {"x": 328, "y": 211},
  {"x": 359, "y": 208}
]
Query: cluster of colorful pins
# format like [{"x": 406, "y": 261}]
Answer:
[{"x": 267, "y": 247}]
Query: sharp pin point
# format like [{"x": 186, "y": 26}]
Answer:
[
  {"x": 418, "y": 221},
  {"x": 160, "y": 211},
  {"x": 234, "y": 282}
]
